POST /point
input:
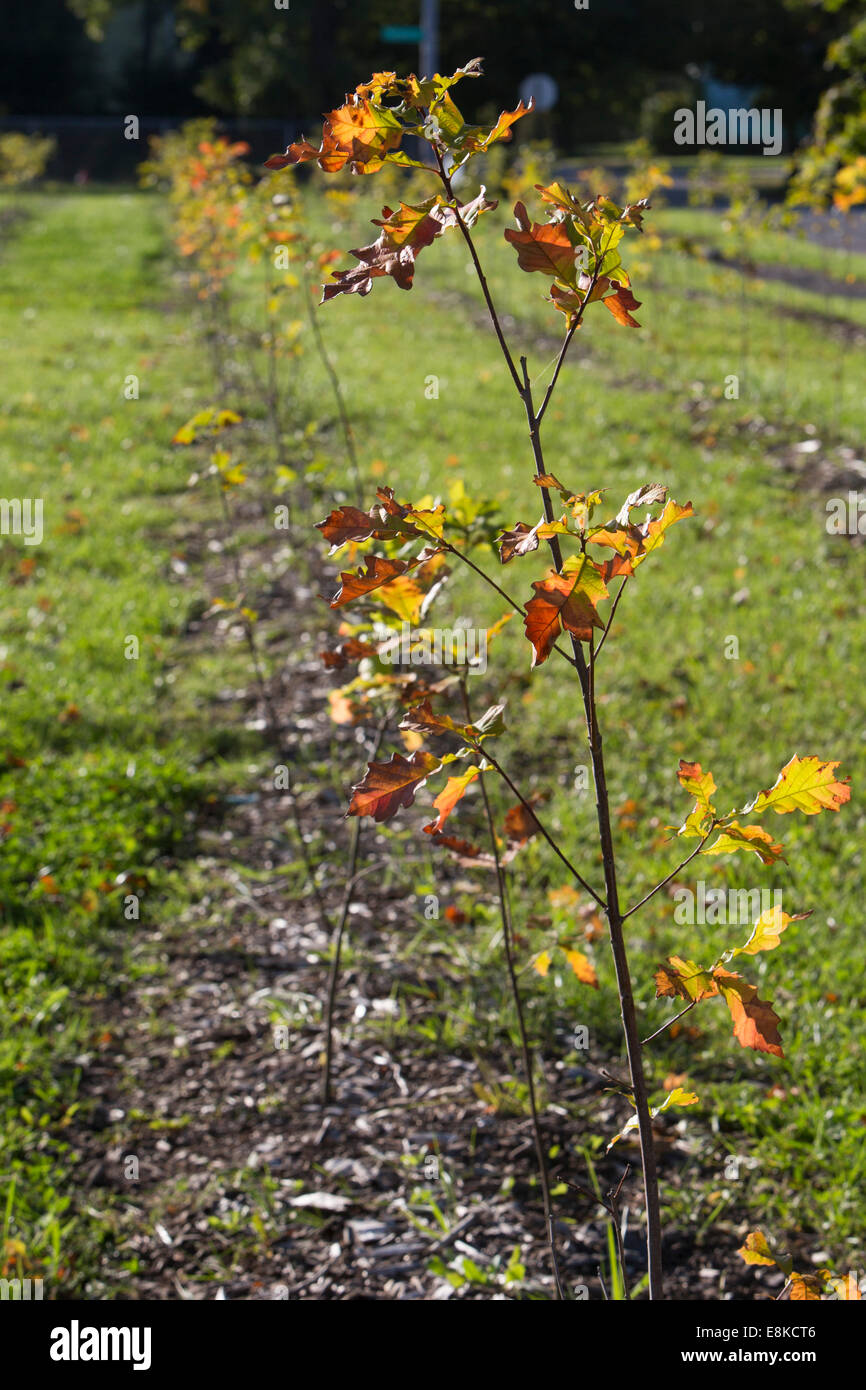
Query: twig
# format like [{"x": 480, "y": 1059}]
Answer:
[
  {"x": 334, "y": 972},
  {"x": 611, "y": 616},
  {"x": 670, "y": 1021},
  {"x": 670, "y": 876},
  {"x": 478, "y": 271},
  {"x": 547, "y": 836},
  {"x": 345, "y": 422},
  {"x": 566, "y": 344},
  {"x": 521, "y": 1023}
]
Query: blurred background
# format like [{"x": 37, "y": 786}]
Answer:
[{"x": 70, "y": 68}]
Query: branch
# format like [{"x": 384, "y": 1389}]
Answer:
[
  {"x": 334, "y": 973},
  {"x": 446, "y": 182},
  {"x": 512, "y": 602},
  {"x": 559, "y": 361},
  {"x": 568, "y": 337},
  {"x": 521, "y": 1023},
  {"x": 611, "y": 615},
  {"x": 669, "y": 1023},
  {"x": 667, "y": 880},
  {"x": 549, "y": 838}
]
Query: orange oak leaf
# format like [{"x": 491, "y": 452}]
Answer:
[
  {"x": 567, "y": 600},
  {"x": 502, "y": 129},
  {"x": 352, "y": 650},
  {"x": 389, "y": 520},
  {"x": 387, "y": 787},
  {"x": 470, "y": 856},
  {"x": 620, "y": 303},
  {"x": 347, "y": 524},
  {"x": 582, "y": 967},
  {"x": 357, "y": 133},
  {"x": 551, "y": 480},
  {"x": 544, "y": 246},
  {"x": 618, "y": 566},
  {"x": 806, "y": 1288},
  {"x": 463, "y": 849},
  {"x": 379, "y": 571},
  {"x": 520, "y": 823},
  {"x": 422, "y": 719},
  {"x": 627, "y": 541},
  {"x": 454, "y": 790},
  {"x": 328, "y": 156},
  {"x": 404, "y": 234},
  {"x": 366, "y": 131},
  {"x": 755, "y": 1023},
  {"x": 378, "y": 259}
]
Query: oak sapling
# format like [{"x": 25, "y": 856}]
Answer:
[{"x": 567, "y": 608}]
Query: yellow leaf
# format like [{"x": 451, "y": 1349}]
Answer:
[
  {"x": 756, "y": 1250},
  {"x": 749, "y": 838},
  {"x": 403, "y": 597},
  {"x": 677, "y": 1096},
  {"x": 804, "y": 784},
  {"x": 767, "y": 931},
  {"x": 542, "y": 963},
  {"x": 582, "y": 967},
  {"x": 846, "y": 1289}
]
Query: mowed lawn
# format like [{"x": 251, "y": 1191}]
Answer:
[
  {"x": 108, "y": 761},
  {"x": 102, "y": 759}
]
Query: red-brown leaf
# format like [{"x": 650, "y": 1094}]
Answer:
[
  {"x": 565, "y": 600},
  {"x": 379, "y": 571},
  {"x": 620, "y": 305},
  {"x": 387, "y": 787}
]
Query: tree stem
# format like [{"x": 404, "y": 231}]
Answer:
[
  {"x": 614, "y": 915},
  {"x": 521, "y": 1022}
]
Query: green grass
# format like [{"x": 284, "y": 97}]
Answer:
[
  {"x": 109, "y": 759},
  {"x": 100, "y": 777}
]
